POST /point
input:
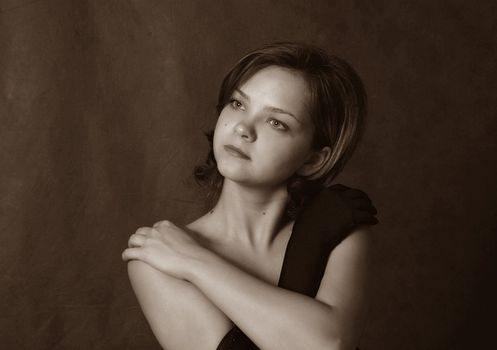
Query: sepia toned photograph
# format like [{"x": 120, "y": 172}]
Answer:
[{"x": 243, "y": 175}]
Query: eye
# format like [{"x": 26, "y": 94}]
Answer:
[
  {"x": 276, "y": 124},
  {"x": 235, "y": 104}
]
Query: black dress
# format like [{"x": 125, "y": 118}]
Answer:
[{"x": 303, "y": 268}]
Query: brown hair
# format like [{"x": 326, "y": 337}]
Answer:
[{"x": 337, "y": 108}]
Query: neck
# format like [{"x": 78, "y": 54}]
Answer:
[{"x": 249, "y": 215}]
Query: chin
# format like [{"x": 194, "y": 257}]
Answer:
[
  {"x": 242, "y": 177},
  {"x": 233, "y": 173}
]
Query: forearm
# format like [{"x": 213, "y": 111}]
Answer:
[{"x": 274, "y": 318}]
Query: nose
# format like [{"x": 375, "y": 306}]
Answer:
[{"x": 245, "y": 131}]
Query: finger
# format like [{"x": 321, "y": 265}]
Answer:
[
  {"x": 132, "y": 254},
  {"x": 166, "y": 223},
  {"x": 136, "y": 240},
  {"x": 144, "y": 231}
]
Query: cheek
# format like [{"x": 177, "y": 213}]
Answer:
[
  {"x": 285, "y": 157},
  {"x": 220, "y": 128},
  {"x": 223, "y": 121},
  {"x": 222, "y": 133}
]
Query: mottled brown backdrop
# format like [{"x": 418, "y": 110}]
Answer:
[{"x": 103, "y": 105}]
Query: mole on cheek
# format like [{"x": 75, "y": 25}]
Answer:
[{"x": 226, "y": 124}]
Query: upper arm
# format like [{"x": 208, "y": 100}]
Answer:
[
  {"x": 176, "y": 310},
  {"x": 344, "y": 285}
]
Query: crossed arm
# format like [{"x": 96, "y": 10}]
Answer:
[{"x": 274, "y": 318}]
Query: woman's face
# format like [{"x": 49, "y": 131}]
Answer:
[{"x": 264, "y": 134}]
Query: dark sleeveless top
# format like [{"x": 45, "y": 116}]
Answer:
[{"x": 303, "y": 268}]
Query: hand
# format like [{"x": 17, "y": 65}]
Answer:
[{"x": 164, "y": 246}]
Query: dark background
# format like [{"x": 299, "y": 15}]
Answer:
[{"x": 103, "y": 105}]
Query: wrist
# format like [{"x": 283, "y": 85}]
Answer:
[{"x": 195, "y": 266}]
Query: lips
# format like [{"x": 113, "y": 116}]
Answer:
[{"x": 235, "y": 151}]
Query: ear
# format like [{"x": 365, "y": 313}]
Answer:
[{"x": 315, "y": 161}]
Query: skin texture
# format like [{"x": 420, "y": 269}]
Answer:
[{"x": 193, "y": 282}]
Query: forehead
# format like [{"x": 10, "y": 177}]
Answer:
[{"x": 279, "y": 87}]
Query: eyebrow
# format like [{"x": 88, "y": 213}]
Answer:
[{"x": 269, "y": 108}]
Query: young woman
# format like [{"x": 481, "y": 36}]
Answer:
[{"x": 282, "y": 260}]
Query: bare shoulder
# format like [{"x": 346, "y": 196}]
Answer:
[
  {"x": 357, "y": 245},
  {"x": 350, "y": 262},
  {"x": 346, "y": 281},
  {"x": 175, "y": 309}
]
